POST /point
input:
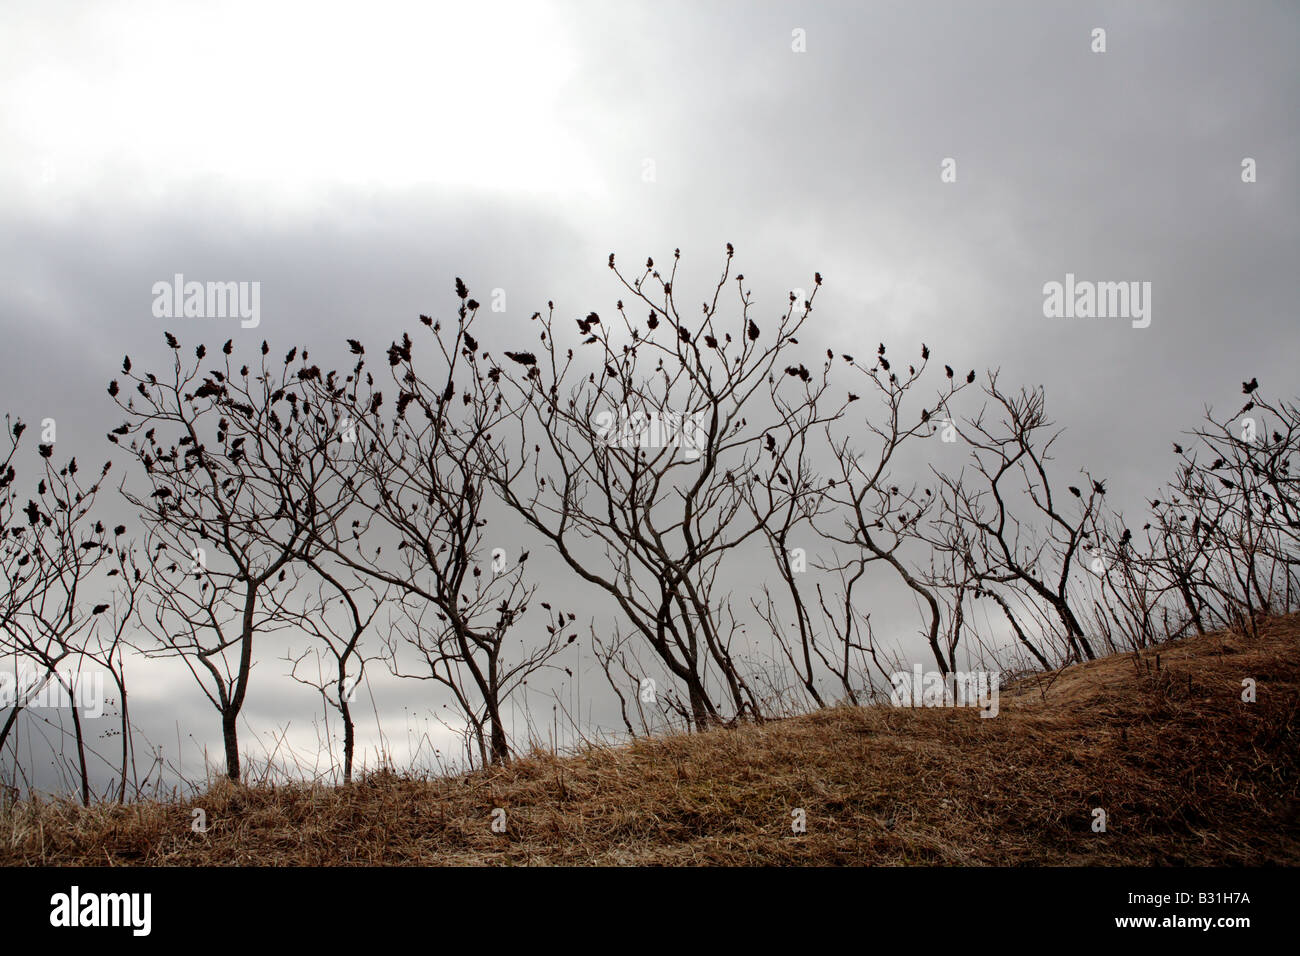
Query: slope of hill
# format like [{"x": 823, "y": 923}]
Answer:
[{"x": 1185, "y": 770}]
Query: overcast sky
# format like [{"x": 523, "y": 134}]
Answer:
[{"x": 354, "y": 159}]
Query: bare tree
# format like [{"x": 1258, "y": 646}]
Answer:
[
  {"x": 111, "y": 642},
  {"x": 879, "y": 517},
  {"x": 223, "y": 522},
  {"x": 1229, "y": 519},
  {"x": 421, "y": 482},
  {"x": 1010, "y": 459},
  {"x": 339, "y": 609},
  {"x": 49, "y": 549},
  {"x": 633, "y": 461}
]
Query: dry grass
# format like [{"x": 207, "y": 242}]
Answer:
[{"x": 1187, "y": 773}]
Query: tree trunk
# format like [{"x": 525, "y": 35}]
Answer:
[
  {"x": 1192, "y": 609},
  {"x": 9, "y": 723},
  {"x": 500, "y": 746},
  {"x": 1073, "y": 629},
  {"x": 231, "y": 737},
  {"x": 126, "y": 735},
  {"x": 81, "y": 748},
  {"x": 702, "y": 711},
  {"x": 349, "y": 741}
]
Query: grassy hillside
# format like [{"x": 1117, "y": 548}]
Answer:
[{"x": 1187, "y": 773}]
